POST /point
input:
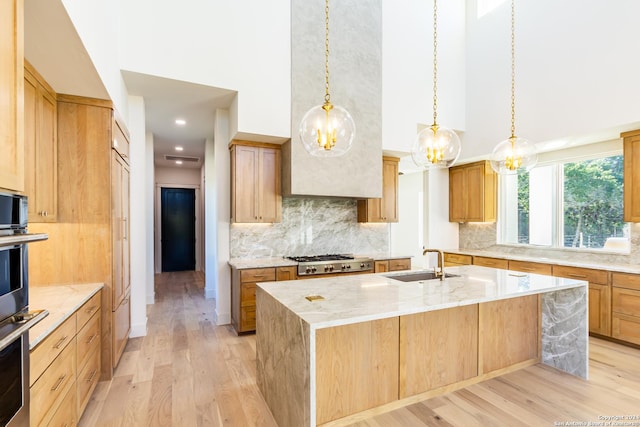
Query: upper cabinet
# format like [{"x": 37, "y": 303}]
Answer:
[
  {"x": 40, "y": 147},
  {"x": 256, "y": 194},
  {"x": 631, "y": 175},
  {"x": 384, "y": 209},
  {"x": 473, "y": 192},
  {"x": 11, "y": 95}
]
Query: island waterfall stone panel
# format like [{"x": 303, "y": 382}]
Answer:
[
  {"x": 355, "y": 65},
  {"x": 310, "y": 226}
]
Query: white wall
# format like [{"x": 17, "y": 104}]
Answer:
[
  {"x": 242, "y": 46},
  {"x": 407, "y": 69},
  {"x": 177, "y": 176},
  {"x": 407, "y": 236},
  {"x": 141, "y": 242},
  {"x": 149, "y": 225},
  {"x": 576, "y": 71}
]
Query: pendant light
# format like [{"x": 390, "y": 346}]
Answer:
[
  {"x": 435, "y": 147},
  {"x": 514, "y": 155},
  {"x": 327, "y": 130}
]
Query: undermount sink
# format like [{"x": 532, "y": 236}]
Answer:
[{"x": 418, "y": 276}]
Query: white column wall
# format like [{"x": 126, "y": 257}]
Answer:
[
  {"x": 139, "y": 240},
  {"x": 149, "y": 225}
]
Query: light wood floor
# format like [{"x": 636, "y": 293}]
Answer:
[{"x": 189, "y": 372}]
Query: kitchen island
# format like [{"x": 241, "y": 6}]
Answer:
[{"x": 329, "y": 350}]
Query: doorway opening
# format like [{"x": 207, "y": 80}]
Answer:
[{"x": 178, "y": 229}]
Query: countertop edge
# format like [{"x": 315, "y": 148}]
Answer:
[{"x": 60, "y": 314}]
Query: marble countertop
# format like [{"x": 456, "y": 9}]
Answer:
[
  {"x": 622, "y": 268},
  {"x": 243, "y": 263},
  {"x": 60, "y": 301},
  {"x": 358, "y": 298}
]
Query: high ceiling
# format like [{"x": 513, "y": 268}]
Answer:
[{"x": 54, "y": 48}]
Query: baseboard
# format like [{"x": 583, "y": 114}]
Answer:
[
  {"x": 139, "y": 330},
  {"x": 209, "y": 293},
  {"x": 223, "y": 318}
]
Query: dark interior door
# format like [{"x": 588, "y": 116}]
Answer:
[{"x": 178, "y": 213}]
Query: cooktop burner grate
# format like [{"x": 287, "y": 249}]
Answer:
[{"x": 317, "y": 258}]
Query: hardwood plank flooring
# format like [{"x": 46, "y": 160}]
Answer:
[{"x": 189, "y": 372}]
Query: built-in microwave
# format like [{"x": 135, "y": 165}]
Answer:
[{"x": 13, "y": 213}]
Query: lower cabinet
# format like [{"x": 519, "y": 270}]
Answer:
[
  {"x": 455, "y": 260},
  {"x": 395, "y": 264},
  {"x": 491, "y": 262},
  {"x": 625, "y": 305},
  {"x": 65, "y": 368},
  {"x": 121, "y": 327},
  {"x": 243, "y": 293}
]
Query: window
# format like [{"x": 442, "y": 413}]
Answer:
[{"x": 569, "y": 204}]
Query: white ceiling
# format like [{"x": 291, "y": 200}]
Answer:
[{"x": 54, "y": 48}]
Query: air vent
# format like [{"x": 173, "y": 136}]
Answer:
[{"x": 183, "y": 158}]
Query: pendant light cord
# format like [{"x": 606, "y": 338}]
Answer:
[
  {"x": 435, "y": 62},
  {"x": 327, "y": 97},
  {"x": 513, "y": 70}
]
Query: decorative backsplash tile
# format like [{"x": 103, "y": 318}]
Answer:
[{"x": 310, "y": 226}]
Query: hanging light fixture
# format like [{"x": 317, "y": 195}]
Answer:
[
  {"x": 435, "y": 147},
  {"x": 514, "y": 155},
  {"x": 327, "y": 130}
]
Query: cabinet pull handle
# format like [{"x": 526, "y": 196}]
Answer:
[
  {"x": 60, "y": 342},
  {"x": 92, "y": 376},
  {"x": 91, "y": 338},
  {"x": 58, "y": 383},
  {"x": 577, "y": 276},
  {"x": 124, "y": 231}
]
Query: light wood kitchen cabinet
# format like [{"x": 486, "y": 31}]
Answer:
[
  {"x": 428, "y": 341},
  {"x": 395, "y": 264},
  {"x": 243, "y": 293},
  {"x": 530, "y": 267},
  {"x": 343, "y": 390},
  {"x": 89, "y": 243},
  {"x": 473, "y": 192},
  {"x": 484, "y": 261},
  {"x": 631, "y": 151},
  {"x": 599, "y": 295},
  {"x": 11, "y": 88},
  {"x": 384, "y": 209},
  {"x": 65, "y": 368},
  {"x": 256, "y": 193},
  {"x": 40, "y": 147},
  {"x": 625, "y": 306},
  {"x": 455, "y": 260}
]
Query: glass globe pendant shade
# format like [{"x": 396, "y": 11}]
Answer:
[
  {"x": 327, "y": 131},
  {"x": 436, "y": 147},
  {"x": 513, "y": 156}
]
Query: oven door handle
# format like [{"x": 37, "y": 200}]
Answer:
[{"x": 19, "y": 324}]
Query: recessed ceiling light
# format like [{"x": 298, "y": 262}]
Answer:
[
  {"x": 178, "y": 162},
  {"x": 181, "y": 122},
  {"x": 179, "y": 148}
]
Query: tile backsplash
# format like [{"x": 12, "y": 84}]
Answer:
[{"x": 310, "y": 226}]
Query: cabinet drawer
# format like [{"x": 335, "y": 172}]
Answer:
[
  {"x": 593, "y": 276},
  {"x": 490, "y": 262},
  {"x": 530, "y": 267},
  {"x": 48, "y": 392},
  {"x": 66, "y": 415},
  {"x": 258, "y": 275},
  {"x": 88, "y": 379},
  {"x": 286, "y": 273},
  {"x": 626, "y": 301},
  {"x": 626, "y": 328},
  {"x": 625, "y": 280},
  {"x": 399, "y": 264},
  {"x": 457, "y": 258},
  {"x": 248, "y": 294},
  {"x": 247, "y": 319},
  {"x": 51, "y": 347},
  {"x": 88, "y": 309},
  {"x": 88, "y": 339}
]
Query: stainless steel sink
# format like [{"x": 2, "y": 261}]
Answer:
[{"x": 418, "y": 276}]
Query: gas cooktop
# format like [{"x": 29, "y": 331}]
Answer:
[
  {"x": 331, "y": 263},
  {"x": 317, "y": 258}
]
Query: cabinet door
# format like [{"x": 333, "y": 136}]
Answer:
[
  {"x": 400, "y": 264},
  {"x": 475, "y": 193},
  {"x": 121, "y": 328},
  {"x": 244, "y": 176},
  {"x": 389, "y": 190},
  {"x": 632, "y": 177},
  {"x": 269, "y": 193},
  {"x": 381, "y": 266},
  {"x": 457, "y": 195},
  {"x": 599, "y": 313},
  {"x": 11, "y": 90},
  {"x": 286, "y": 273},
  {"x": 117, "y": 229},
  {"x": 126, "y": 228}
]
